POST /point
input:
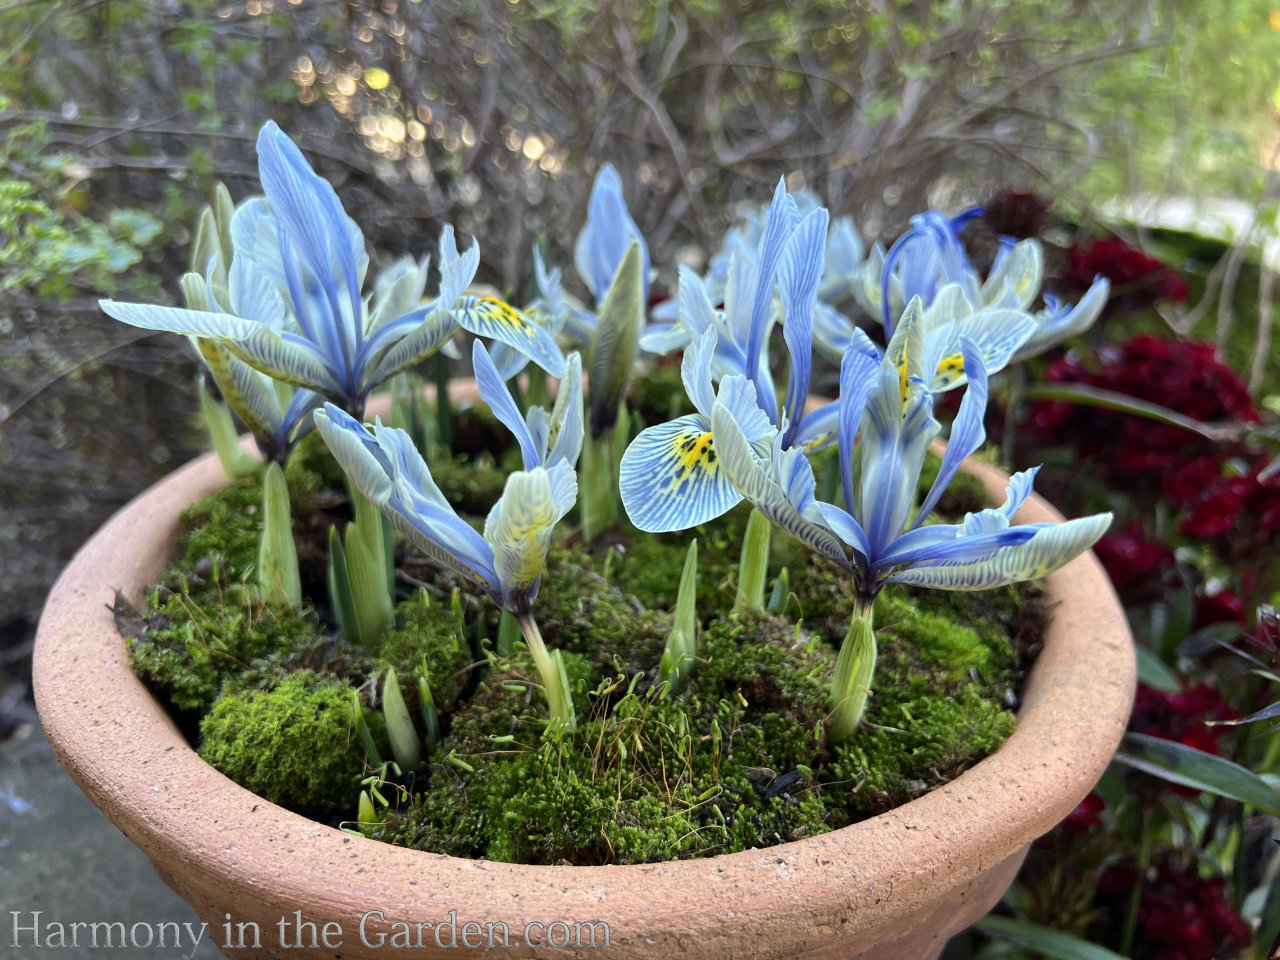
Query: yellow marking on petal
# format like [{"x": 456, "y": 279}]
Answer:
[
  {"x": 499, "y": 311},
  {"x": 951, "y": 369},
  {"x": 695, "y": 453},
  {"x": 815, "y": 443}
]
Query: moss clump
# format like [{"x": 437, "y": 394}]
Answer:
[
  {"x": 738, "y": 759},
  {"x": 427, "y": 633},
  {"x": 224, "y": 530},
  {"x": 773, "y": 665},
  {"x": 889, "y": 765},
  {"x": 188, "y": 648},
  {"x": 293, "y": 744}
]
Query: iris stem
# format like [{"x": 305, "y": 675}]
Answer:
[
  {"x": 555, "y": 681},
  {"x": 753, "y": 563}
]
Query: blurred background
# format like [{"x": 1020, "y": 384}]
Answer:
[{"x": 1156, "y": 121}]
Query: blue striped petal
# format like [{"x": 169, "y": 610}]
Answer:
[
  {"x": 1050, "y": 547},
  {"x": 253, "y": 295},
  {"x": 249, "y": 393},
  {"x": 756, "y": 480},
  {"x": 967, "y": 431},
  {"x": 389, "y": 471},
  {"x": 670, "y": 477},
  {"x": 403, "y": 342},
  {"x": 846, "y": 528},
  {"x": 949, "y": 546},
  {"x": 564, "y": 439},
  {"x": 608, "y": 232},
  {"x": 859, "y": 375},
  {"x": 1015, "y": 279},
  {"x": 782, "y": 220},
  {"x": 290, "y": 358},
  {"x": 896, "y": 434},
  {"x": 494, "y": 392},
  {"x": 495, "y": 319},
  {"x": 1058, "y": 323},
  {"x": 193, "y": 323},
  {"x": 309, "y": 212},
  {"x": 695, "y": 371},
  {"x": 737, "y": 395},
  {"x": 998, "y": 334},
  {"x": 456, "y": 270},
  {"x": 798, "y": 276}
]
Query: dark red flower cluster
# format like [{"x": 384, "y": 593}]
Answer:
[
  {"x": 1181, "y": 915},
  {"x": 1137, "y": 280},
  {"x": 1085, "y": 817},
  {"x": 1242, "y": 510},
  {"x": 1180, "y": 716},
  {"x": 1220, "y": 606},
  {"x": 1185, "y": 376},
  {"x": 1140, "y": 568}
]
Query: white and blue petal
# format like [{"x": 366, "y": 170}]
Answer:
[
  {"x": 758, "y": 481},
  {"x": 608, "y": 232},
  {"x": 567, "y": 425},
  {"x": 518, "y": 530},
  {"x": 495, "y": 319},
  {"x": 1015, "y": 279},
  {"x": 670, "y": 477},
  {"x": 1050, "y": 546},
  {"x": 494, "y": 392},
  {"x": 967, "y": 431},
  {"x": 1058, "y": 323},
  {"x": 798, "y": 276}
]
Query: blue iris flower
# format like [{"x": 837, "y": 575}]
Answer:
[
  {"x": 877, "y": 535},
  {"x": 506, "y": 560},
  {"x": 296, "y": 278},
  {"x": 669, "y": 477}
]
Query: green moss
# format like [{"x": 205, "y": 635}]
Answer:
[
  {"x": 224, "y": 530},
  {"x": 912, "y": 742},
  {"x": 303, "y": 725},
  {"x": 738, "y": 760},
  {"x": 427, "y": 632},
  {"x": 188, "y": 649}
]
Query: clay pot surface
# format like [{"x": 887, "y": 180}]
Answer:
[{"x": 894, "y": 887}]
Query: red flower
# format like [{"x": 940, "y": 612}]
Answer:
[
  {"x": 1084, "y": 817},
  {"x": 1139, "y": 568},
  {"x": 1180, "y": 915},
  {"x": 1137, "y": 280},
  {"x": 1222, "y": 606},
  {"x": 1189, "y": 481}
]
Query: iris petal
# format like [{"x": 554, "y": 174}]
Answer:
[
  {"x": 1050, "y": 547},
  {"x": 670, "y": 477},
  {"x": 494, "y": 319}
]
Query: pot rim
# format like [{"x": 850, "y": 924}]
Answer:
[{"x": 129, "y": 758}]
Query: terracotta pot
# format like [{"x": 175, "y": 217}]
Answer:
[{"x": 895, "y": 887}]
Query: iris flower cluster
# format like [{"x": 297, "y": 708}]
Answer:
[
  {"x": 278, "y": 299},
  {"x": 742, "y": 445}
]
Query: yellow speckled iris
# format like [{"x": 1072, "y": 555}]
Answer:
[{"x": 499, "y": 311}]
